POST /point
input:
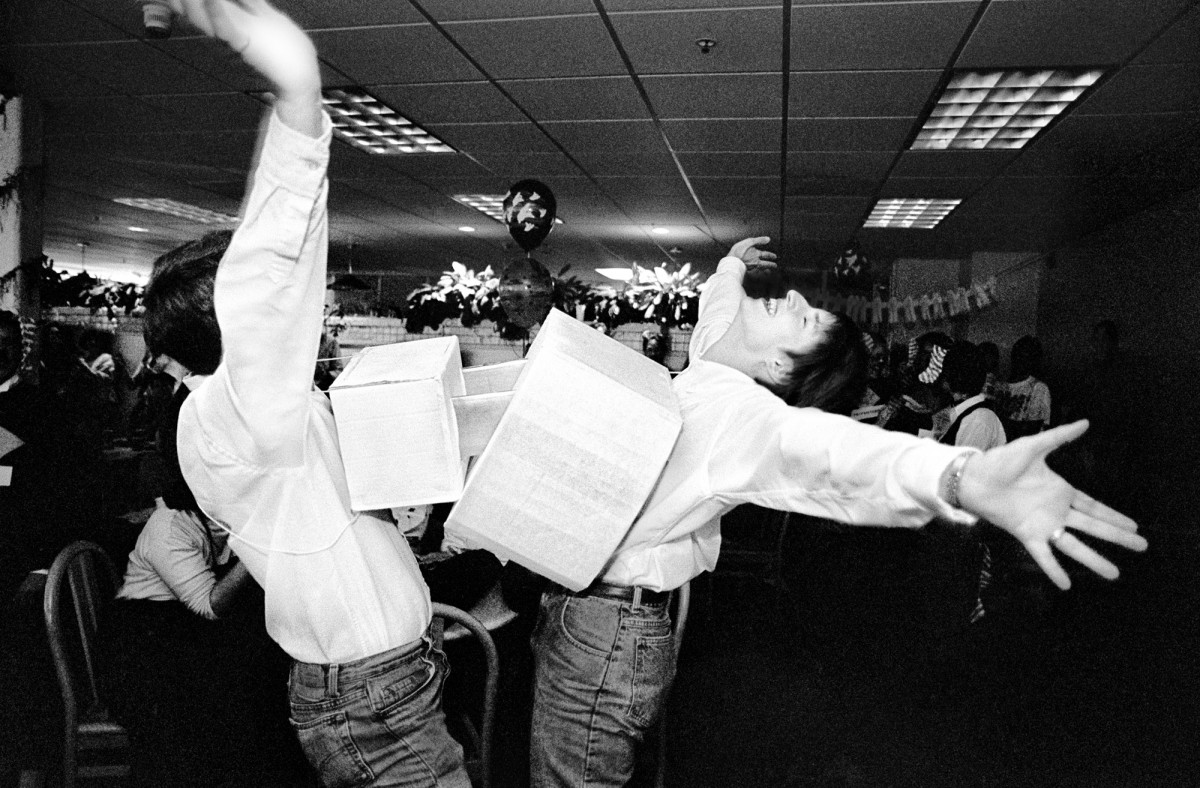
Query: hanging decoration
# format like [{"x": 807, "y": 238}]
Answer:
[
  {"x": 529, "y": 213},
  {"x": 913, "y": 310},
  {"x": 526, "y": 292},
  {"x": 852, "y": 271}
]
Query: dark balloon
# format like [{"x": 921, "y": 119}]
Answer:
[
  {"x": 526, "y": 292},
  {"x": 529, "y": 211}
]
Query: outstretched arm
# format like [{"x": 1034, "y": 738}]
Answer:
[{"x": 1013, "y": 488}]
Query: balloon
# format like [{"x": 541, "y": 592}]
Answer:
[
  {"x": 529, "y": 210},
  {"x": 526, "y": 292}
]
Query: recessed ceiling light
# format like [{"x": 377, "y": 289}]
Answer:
[
  {"x": 367, "y": 123},
  {"x": 660, "y": 230},
  {"x": 466, "y": 229},
  {"x": 180, "y": 209},
  {"x": 488, "y": 204},
  {"x": 985, "y": 110},
  {"x": 910, "y": 213},
  {"x": 133, "y": 229}
]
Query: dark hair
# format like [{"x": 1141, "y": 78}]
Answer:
[
  {"x": 180, "y": 320},
  {"x": 990, "y": 352},
  {"x": 1026, "y": 358},
  {"x": 833, "y": 375},
  {"x": 10, "y": 321},
  {"x": 964, "y": 368}
]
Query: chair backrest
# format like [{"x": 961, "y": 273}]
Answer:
[
  {"x": 444, "y": 614},
  {"x": 80, "y": 583}
]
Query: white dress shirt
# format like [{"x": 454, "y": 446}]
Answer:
[
  {"x": 258, "y": 445},
  {"x": 742, "y": 444}
]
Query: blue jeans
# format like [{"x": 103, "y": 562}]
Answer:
[
  {"x": 602, "y": 670},
  {"x": 377, "y": 721}
]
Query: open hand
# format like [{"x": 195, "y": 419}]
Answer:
[
  {"x": 1013, "y": 488},
  {"x": 266, "y": 39},
  {"x": 749, "y": 253}
]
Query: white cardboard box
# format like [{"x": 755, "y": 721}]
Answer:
[
  {"x": 396, "y": 423},
  {"x": 574, "y": 458}
]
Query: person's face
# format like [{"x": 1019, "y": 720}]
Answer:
[
  {"x": 787, "y": 327},
  {"x": 10, "y": 353}
]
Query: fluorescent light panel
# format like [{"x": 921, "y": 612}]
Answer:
[
  {"x": 181, "y": 209},
  {"x": 910, "y": 213},
  {"x": 488, "y": 204},
  {"x": 367, "y": 123},
  {"x": 987, "y": 110}
]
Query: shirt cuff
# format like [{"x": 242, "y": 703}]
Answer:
[
  {"x": 731, "y": 265},
  {"x": 925, "y": 470},
  {"x": 294, "y": 158}
]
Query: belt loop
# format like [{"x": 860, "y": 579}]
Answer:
[
  {"x": 331, "y": 680},
  {"x": 637, "y": 596}
]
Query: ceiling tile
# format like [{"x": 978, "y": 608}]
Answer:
[
  {"x": 800, "y": 187},
  {"x": 849, "y": 134},
  {"x": 401, "y": 54},
  {"x": 1091, "y": 144},
  {"x": 579, "y": 98},
  {"x": 931, "y": 187},
  {"x": 449, "y": 102},
  {"x": 1157, "y": 88},
  {"x": 216, "y": 112},
  {"x": 1177, "y": 44},
  {"x": 323, "y": 14},
  {"x": 541, "y": 166},
  {"x": 746, "y": 134},
  {"x": 816, "y": 205},
  {"x": 493, "y": 137},
  {"x": 44, "y": 22},
  {"x": 860, "y": 94},
  {"x": 858, "y": 165},
  {"x": 131, "y": 68},
  {"x": 96, "y": 115},
  {"x": 574, "y": 46},
  {"x": 656, "y": 162},
  {"x": 665, "y": 42},
  {"x": 716, "y": 95},
  {"x": 1032, "y": 33},
  {"x": 914, "y": 35},
  {"x": 731, "y": 163},
  {"x": 618, "y": 135},
  {"x": 952, "y": 164},
  {"x": 457, "y": 10}
]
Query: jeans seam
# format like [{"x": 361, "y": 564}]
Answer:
[{"x": 610, "y": 658}]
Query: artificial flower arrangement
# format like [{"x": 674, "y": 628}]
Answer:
[
  {"x": 669, "y": 298},
  {"x": 57, "y": 288}
]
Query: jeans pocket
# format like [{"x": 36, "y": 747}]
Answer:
[
  {"x": 590, "y": 624},
  {"x": 653, "y": 671},
  {"x": 330, "y": 748}
]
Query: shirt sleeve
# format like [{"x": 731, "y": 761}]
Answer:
[
  {"x": 808, "y": 461},
  {"x": 719, "y": 304},
  {"x": 179, "y": 554},
  {"x": 269, "y": 297}
]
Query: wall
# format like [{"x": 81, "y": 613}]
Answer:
[{"x": 1144, "y": 273}]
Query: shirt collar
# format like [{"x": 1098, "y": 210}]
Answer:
[{"x": 961, "y": 407}]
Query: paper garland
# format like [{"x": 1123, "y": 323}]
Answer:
[{"x": 911, "y": 310}]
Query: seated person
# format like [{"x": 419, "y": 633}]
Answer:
[{"x": 191, "y": 672}]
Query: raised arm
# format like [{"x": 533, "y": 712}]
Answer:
[
  {"x": 1012, "y": 487},
  {"x": 270, "y": 287}
]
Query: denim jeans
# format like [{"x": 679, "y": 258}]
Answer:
[
  {"x": 377, "y": 721},
  {"x": 602, "y": 672}
]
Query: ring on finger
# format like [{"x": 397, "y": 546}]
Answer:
[{"x": 1058, "y": 534}]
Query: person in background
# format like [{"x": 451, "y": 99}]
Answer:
[
  {"x": 258, "y": 446},
  {"x": 1026, "y": 398},
  {"x": 188, "y": 666},
  {"x": 761, "y": 371},
  {"x": 991, "y": 362}
]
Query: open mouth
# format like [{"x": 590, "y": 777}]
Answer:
[{"x": 772, "y": 304}]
